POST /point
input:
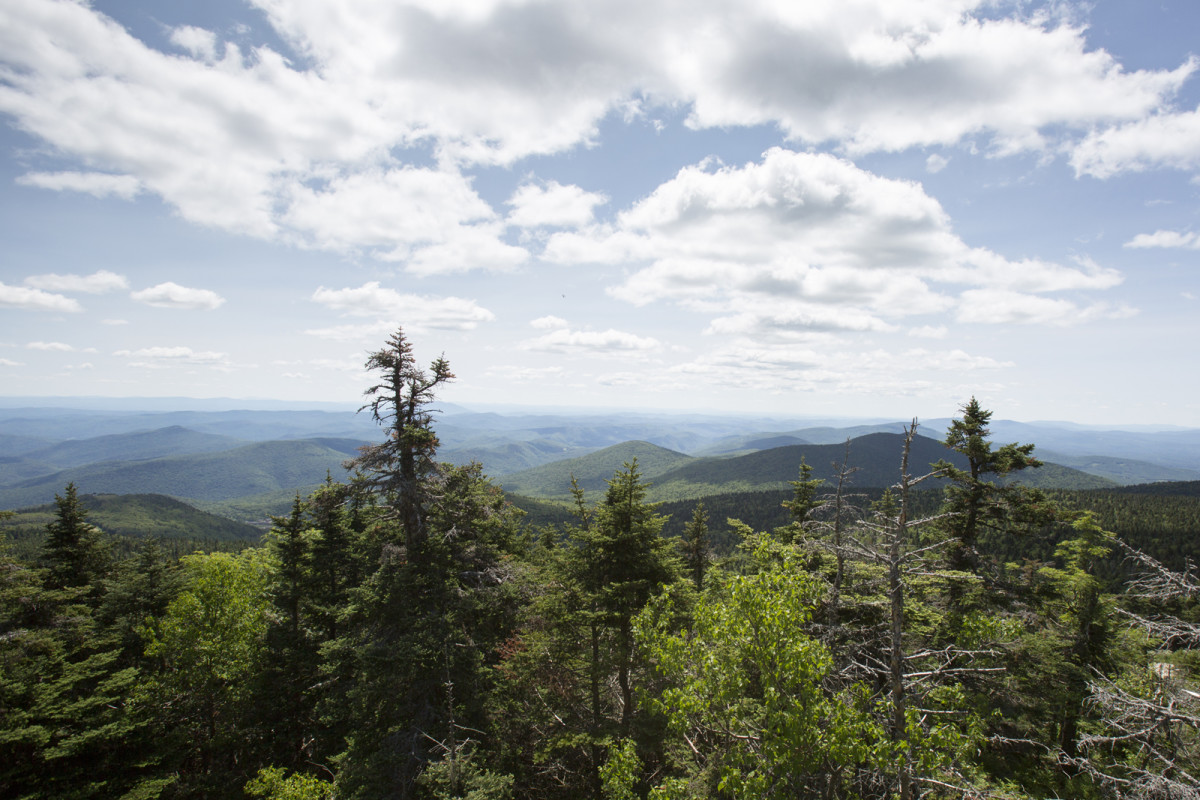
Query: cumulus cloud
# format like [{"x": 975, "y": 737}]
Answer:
[
  {"x": 611, "y": 343},
  {"x": 36, "y": 299},
  {"x": 802, "y": 242},
  {"x": 392, "y": 308},
  {"x": 60, "y": 347},
  {"x": 1169, "y": 239},
  {"x": 305, "y": 149},
  {"x": 172, "y": 295},
  {"x": 1161, "y": 140},
  {"x": 553, "y": 205},
  {"x": 97, "y": 283},
  {"x": 429, "y": 217},
  {"x": 197, "y": 41}
]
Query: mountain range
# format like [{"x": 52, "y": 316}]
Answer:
[{"x": 229, "y": 456}]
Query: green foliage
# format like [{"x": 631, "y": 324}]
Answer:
[
  {"x": 457, "y": 776},
  {"x": 206, "y": 649},
  {"x": 76, "y": 551},
  {"x": 620, "y": 771},
  {"x": 273, "y": 783},
  {"x": 745, "y": 693},
  {"x": 402, "y": 635},
  {"x": 695, "y": 545},
  {"x": 66, "y": 728},
  {"x": 591, "y": 472}
]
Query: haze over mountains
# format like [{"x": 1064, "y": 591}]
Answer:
[{"x": 224, "y": 454}]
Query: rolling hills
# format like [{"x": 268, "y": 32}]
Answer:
[
  {"x": 251, "y": 469},
  {"x": 676, "y": 476}
]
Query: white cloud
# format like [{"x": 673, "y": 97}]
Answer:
[
  {"x": 535, "y": 375},
  {"x": 553, "y": 205},
  {"x": 1161, "y": 238},
  {"x": 157, "y": 357},
  {"x": 8, "y": 362},
  {"x": 783, "y": 368},
  {"x": 60, "y": 347},
  {"x": 929, "y": 332},
  {"x": 952, "y": 360},
  {"x": 1000, "y": 306},
  {"x": 549, "y": 322},
  {"x": 97, "y": 184},
  {"x": 1161, "y": 140},
  {"x": 431, "y": 218},
  {"x": 36, "y": 299},
  {"x": 197, "y": 41},
  {"x": 97, "y": 283},
  {"x": 803, "y": 242},
  {"x": 251, "y": 142},
  {"x": 392, "y": 308},
  {"x": 936, "y": 163},
  {"x": 172, "y": 295},
  {"x": 612, "y": 343}
]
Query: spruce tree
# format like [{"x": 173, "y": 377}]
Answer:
[
  {"x": 401, "y": 468},
  {"x": 429, "y": 617},
  {"x": 76, "y": 551},
  {"x": 695, "y": 545},
  {"x": 974, "y": 503}
]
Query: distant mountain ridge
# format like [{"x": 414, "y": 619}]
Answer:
[
  {"x": 676, "y": 476},
  {"x": 255, "y": 468},
  {"x": 131, "y": 450}
]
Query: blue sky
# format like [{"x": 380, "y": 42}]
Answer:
[{"x": 854, "y": 207}]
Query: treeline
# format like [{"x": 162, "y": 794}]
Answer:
[
  {"x": 407, "y": 634},
  {"x": 1159, "y": 519}
]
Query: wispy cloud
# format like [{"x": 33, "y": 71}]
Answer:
[{"x": 96, "y": 283}]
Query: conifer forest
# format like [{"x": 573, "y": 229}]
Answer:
[{"x": 406, "y": 631}]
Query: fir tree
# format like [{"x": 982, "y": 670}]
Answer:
[{"x": 76, "y": 551}]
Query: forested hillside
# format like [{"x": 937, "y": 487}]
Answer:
[
  {"x": 250, "y": 469},
  {"x": 408, "y": 634}
]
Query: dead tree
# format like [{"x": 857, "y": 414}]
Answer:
[{"x": 1149, "y": 747}]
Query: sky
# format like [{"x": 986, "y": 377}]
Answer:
[{"x": 858, "y": 208}]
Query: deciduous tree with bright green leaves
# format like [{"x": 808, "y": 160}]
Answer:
[{"x": 206, "y": 651}]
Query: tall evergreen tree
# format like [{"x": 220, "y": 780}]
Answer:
[
  {"x": 291, "y": 660},
  {"x": 695, "y": 545},
  {"x": 429, "y": 617},
  {"x": 402, "y": 467},
  {"x": 76, "y": 550},
  {"x": 975, "y": 504}
]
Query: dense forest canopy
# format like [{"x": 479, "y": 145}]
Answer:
[{"x": 409, "y": 632}]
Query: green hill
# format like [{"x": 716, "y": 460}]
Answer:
[
  {"x": 1125, "y": 471},
  {"x": 181, "y": 527},
  {"x": 876, "y": 457},
  {"x": 249, "y": 470},
  {"x": 502, "y": 456},
  {"x": 160, "y": 443},
  {"x": 673, "y": 476},
  {"x": 591, "y": 471}
]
